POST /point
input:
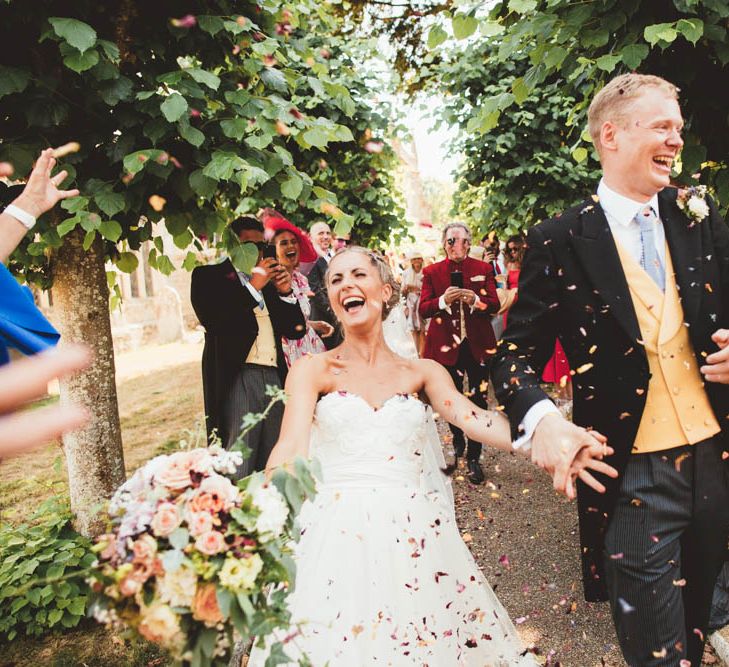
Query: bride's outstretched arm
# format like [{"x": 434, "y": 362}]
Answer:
[
  {"x": 301, "y": 396},
  {"x": 486, "y": 426},
  {"x": 492, "y": 428}
]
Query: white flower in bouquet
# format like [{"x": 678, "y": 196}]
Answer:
[
  {"x": 166, "y": 519},
  {"x": 274, "y": 511},
  {"x": 239, "y": 574},
  {"x": 225, "y": 462},
  {"x": 176, "y": 474},
  {"x": 177, "y": 587},
  {"x": 698, "y": 207},
  {"x": 159, "y": 624}
]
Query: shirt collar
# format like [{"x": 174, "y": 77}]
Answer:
[{"x": 619, "y": 208}]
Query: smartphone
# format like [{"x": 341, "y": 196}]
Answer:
[
  {"x": 457, "y": 279},
  {"x": 270, "y": 251}
]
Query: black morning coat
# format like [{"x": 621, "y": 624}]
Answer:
[
  {"x": 227, "y": 311},
  {"x": 572, "y": 286}
]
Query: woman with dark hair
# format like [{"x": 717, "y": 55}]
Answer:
[{"x": 293, "y": 248}]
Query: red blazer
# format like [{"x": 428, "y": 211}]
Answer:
[{"x": 443, "y": 336}]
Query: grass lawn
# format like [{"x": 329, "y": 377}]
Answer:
[{"x": 157, "y": 411}]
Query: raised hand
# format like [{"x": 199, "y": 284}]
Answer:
[{"x": 41, "y": 192}]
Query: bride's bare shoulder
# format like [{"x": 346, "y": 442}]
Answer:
[{"x": 314, "y": 370}]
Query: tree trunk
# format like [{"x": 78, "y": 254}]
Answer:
[{"x": 94, "y": 454}]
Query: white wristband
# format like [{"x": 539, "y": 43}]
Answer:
[{"x": 23, "y": 217}]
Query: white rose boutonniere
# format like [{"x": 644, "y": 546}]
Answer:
[{"x": 692, "y": 201}]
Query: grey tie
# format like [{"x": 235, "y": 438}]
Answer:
[{"x": 649, "y": 259}]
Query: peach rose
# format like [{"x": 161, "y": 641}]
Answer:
[
  {"x": 176, "y": 473},
  {"x": 166, "y": 519},
  {"x": 205, "y": 502},
  {"x": 222, "y": 488},
  {"x": 205, "y": 605},
  {"x": 199, "y": 523},
  {"x": 159, "y": 624},
  {"x": 130, "y": 586},
  {"x": 210, "y": 543},
  {"x": 144, "y": 548}
]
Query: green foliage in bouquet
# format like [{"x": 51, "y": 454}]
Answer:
[{"x": 42, "y": 565}]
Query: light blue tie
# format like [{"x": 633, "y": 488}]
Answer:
[{"x": 649, "y": 259}]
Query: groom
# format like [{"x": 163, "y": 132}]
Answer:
[{"x": 635, "y": 283}]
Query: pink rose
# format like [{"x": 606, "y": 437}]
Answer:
[
  {"x": 166, "y": 519},
  {"x": 221, "y": 488},
  {"x": 205, "y": 503},
  {"x": 176, "y": 473},
  {"x": 199, "y": 523},
  {"x": 210, "y": 543}
]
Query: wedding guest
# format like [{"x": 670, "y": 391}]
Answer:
[
  {"x": 491, "y": 243},
  {"x": 292, "y": 247},
  {"x": 26, "y": 380},
  {"x": 245, "y": 316},
  {"x": 321, "y": 237},
  {"x": 412, "y": 284},
  {"x": 634, "y": 282},
  {"x": 459, "y": 295}
]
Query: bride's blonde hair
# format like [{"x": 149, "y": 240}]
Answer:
[{"x": 383, "y": 269}]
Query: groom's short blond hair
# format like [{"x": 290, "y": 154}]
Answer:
[{"x": 614, "y": 100}]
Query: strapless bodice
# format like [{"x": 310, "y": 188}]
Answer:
[{"x": 358, "y": 445}]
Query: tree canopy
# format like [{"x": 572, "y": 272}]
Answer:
[{"x": 189, "y": 114}]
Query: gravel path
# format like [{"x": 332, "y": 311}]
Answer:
[{"x": 525, "y": 539}]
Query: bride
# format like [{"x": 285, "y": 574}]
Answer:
[{"x": 383, "y": 576}]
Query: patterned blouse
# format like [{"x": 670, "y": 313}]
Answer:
[{"x": 310, "y": 343}]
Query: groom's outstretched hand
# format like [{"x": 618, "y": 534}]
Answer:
[{"x": 566, "y": 452}]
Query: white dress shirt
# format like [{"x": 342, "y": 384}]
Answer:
[
  {"x": 620, "y": 212},
  {"x": 245, "y": 280}
]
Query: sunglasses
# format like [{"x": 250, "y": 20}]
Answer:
[{"x": 452, "y": 242}]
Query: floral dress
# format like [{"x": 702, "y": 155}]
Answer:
[
  {"x": 310, "y": 343},
  {"x": 412, "y": 300}
]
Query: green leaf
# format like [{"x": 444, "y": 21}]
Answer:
[
  {"x": 244, "y": 257},
  {"x": 13, "y": 80},
  {"x": 522, "y": 6},
  {"x": 80, "y": 62},
  {"x": 135, "y": 162},
  {"x": 491, "y": 28},
  {"x": 206, "y": 78},
  {"x": 607, "y": 62},
  {"x": 174, "y": 107},
  {"x": 110, "y": 49},
  {"x": 520, "y": 90},
  {"x": 202, "y": 185},
  {"x": 222, "y": 165},
  {"x": 78, "y": 34},
  {"x": 659, "y": 32},
  {"x": 210, "y": 24},
  {"x": 292, "y": 187},
  {"x": 463, "y": 26},
  {"x": 110, "y": 202},
  {"x": 234, "y": 128},
  {"x": 259, "y": 141},
  {"x": 54, "y": 616},
  {"x": 110, "y": 230},
  {"x": 191, "y": 134},
  {"x": 75, "y": 204},
  {"x": 691, "y": 29},
  {"x": 275, "y": 79},
  {"x": 127, "y": 262},
  {"x": 190, "y": 261},
  {"x": 89, "y": 239},
  {"x": 634, "y": 54},
  {"x": 67, "y": 225},
  {"x": 316, "y": 137},
  {"x": 436, "y": 36},
  {"x": 115, "y": 91},
  {"x": 580, "y": 154}
]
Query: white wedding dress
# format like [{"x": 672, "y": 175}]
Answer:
[{"x": 383, "y": 576}]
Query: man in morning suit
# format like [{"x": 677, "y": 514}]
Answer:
[
  {"x": 321, "y": 237},
  {"x": 635, "y": 284},
  {"x": 460, "y": 336},
  {"x": 244, "y": 318}
]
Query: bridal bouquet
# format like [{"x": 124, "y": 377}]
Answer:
[{"x": 194, "y": 559}]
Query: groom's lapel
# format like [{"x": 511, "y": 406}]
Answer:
[
  {"x": 594, "y": 244},
  {"x": 684, "y": 243}
]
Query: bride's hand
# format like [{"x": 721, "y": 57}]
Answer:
[
  {"x": 590, "y": 458},
  {"x": 324, "y": 329}
]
